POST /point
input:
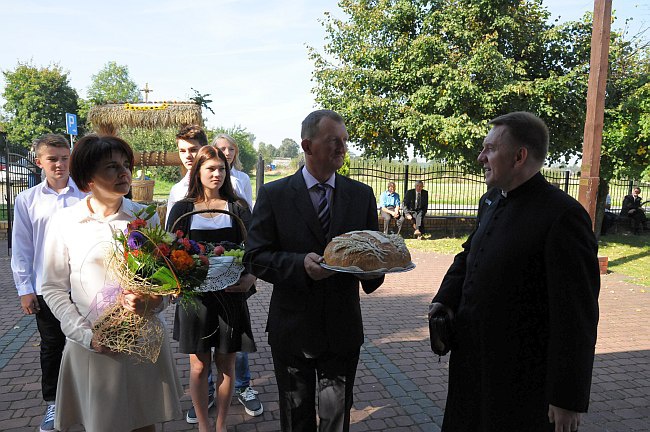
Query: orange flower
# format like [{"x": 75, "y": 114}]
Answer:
[{"x": 182, "y": 260}]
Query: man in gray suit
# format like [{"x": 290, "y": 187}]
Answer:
[{"x": 314, "y": 325}]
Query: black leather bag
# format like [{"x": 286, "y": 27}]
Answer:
[{"x": 441, "y": 329}]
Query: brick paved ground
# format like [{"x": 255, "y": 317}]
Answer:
[{"x": 400, "y": 384}]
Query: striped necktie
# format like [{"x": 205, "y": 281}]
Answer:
[{"x": 323, "y": 208}]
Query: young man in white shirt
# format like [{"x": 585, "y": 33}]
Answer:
[
  {"x": 189, "y": 139},
  {"x": 32, "y": 211}
]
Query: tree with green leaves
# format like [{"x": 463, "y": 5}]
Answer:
[
  {"x": 268, "y": 151},
  {"x": 430, "y": 74},
  {"x": 625, "y": 149},
  {"x": 113, "y": 84},
  {"x": 37, "y": 99},
  {"x": 288, "y": 149}
]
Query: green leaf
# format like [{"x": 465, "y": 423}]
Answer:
[{"x": 165, "y": 278}]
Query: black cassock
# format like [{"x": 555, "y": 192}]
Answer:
[{"x": 525, "y": 293}]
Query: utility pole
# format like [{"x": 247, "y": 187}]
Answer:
[{"x": 593, "y": 134}]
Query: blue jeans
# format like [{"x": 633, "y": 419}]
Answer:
[{"x": 242, "y": 373}]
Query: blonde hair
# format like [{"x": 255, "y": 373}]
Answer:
[{"x": 236, "y": 163}]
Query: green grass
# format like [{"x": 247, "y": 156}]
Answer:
[
  {"x": 442, "y": 245},
  {"x": 161, "y": 190},
  {"x": 628, "y": 254}
]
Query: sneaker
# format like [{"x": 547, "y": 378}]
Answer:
[
  {"x": 190, "y": 417},
  {"x": 248, "y": 397},
  {"x": 47, "y": 425}
]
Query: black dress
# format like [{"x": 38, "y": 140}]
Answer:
[{"x": 219, "y": 319}]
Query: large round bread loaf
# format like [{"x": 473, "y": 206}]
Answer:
[{"x": 367, "y": 250}]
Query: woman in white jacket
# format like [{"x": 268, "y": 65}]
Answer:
[{"x": 98, "y": 388}]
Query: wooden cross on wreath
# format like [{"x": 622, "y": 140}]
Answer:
[{"x": 146, "y": 91}]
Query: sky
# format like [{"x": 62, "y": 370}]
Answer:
[{"x": 250, "y": 55}]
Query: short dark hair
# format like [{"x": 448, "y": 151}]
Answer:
[
  {"x": 310, "y": 123},
  {"x": 89, "y": 151},
  {"x": 49, "y": 140},
  {"x": 195, "y": 189},
  {"x": 528, "y": 130},
  {"x": 193, "y": 132}
]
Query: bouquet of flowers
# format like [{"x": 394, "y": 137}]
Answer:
[{"x": 147, "y": 260}]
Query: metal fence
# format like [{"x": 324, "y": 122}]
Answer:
[
  {"x": 455, "y": 192},
  {"x": 18, "y": 171}
]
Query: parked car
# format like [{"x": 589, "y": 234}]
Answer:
[{"x": 17, "y": 173}]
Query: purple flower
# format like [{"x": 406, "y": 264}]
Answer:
[
  {"x": 194, "y": 247},
  {"x": 135, "y": 240}
]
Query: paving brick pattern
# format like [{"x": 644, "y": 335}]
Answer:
[{"x": 400, "y": 386}]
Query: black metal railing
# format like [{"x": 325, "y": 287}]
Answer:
[
  {"x": 18, "y": 171},
  {"x": 455, "y": 192}
]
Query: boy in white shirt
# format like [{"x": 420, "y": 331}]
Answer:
[
  {"x": 189, "y": 139},
  {"x": 32, "y": 211}
]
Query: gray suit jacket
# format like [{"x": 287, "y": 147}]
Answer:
[{"x": 305, "y": 315}]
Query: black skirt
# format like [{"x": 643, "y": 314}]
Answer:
[{"x": 219, "y": 319}]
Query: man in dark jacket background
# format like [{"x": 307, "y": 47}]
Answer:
[
  {"x": 523, "y": 294},
  {"x": 632, "y": 208},
  {"x": 416, "y": 204}
]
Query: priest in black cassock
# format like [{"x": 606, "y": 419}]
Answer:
[{"x": 523, "y": 294}]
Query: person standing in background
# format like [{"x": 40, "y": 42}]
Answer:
[
  {"x": 241, "y": 184},
  {"x": 632, "y": 208},
  {"x": 189, "y": 140}
]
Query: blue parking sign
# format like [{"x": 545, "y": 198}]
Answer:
[{"x": 71, "y": 123}]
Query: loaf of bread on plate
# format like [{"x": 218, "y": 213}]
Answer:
[{"x": 367, "y": 250}]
